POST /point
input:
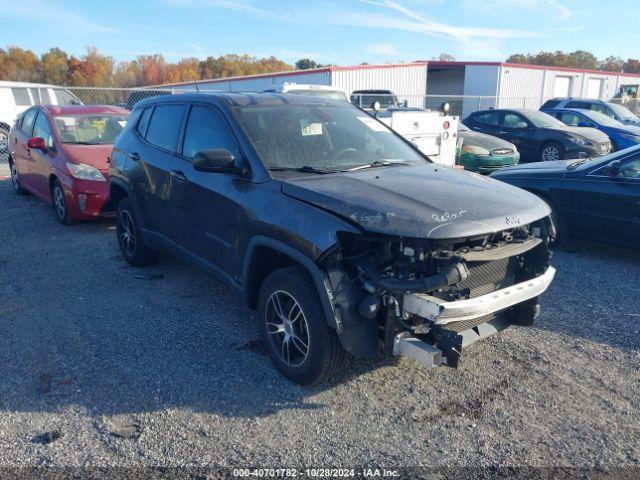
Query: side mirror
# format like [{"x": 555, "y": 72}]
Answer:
[
  {"x": 37, "y": 143},
  {"x": 522, "y": 125},
  {"x": 614, "y": 168},
  {"x": 216, "y": 161}
]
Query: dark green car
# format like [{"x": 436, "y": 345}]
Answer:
[{"x": 484, "y": 153}]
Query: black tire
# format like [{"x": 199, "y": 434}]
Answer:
[
  {"x": 59, "y": 200},
  {"x": 324, "y": 355},
  {"x": 15, "y": 180},
  {"x": 547, "y": 149},
  {"x": 525, "y": 313},
  {"x": 130, "y": 240},
  {"x": 562, "y": 233}
]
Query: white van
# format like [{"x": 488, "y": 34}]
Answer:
[
  {"x": 334, "y": 93},
  {"x": 16, "y": 97}
]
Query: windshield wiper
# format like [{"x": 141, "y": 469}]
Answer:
[
  {"x": 379, "y": 163},
  {"x": 305, "y": 169}
]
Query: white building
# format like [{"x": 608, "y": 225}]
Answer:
[{"x": 469, "y": 86}]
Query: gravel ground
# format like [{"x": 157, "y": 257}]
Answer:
[{"x": 160, "y": 366}]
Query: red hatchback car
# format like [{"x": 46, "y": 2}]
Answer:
[{"x": 61, "y": 154}]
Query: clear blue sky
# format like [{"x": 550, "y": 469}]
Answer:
[{"x": 329, "y": 31}]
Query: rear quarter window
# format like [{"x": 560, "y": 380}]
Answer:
[{"x": 550, "y": 104}]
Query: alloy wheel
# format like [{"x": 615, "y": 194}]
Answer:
[
  {"x": 551, "y": 153},
  {"x": 287, "y": 328},
  {"x": 59, "y": 203},
  {"x": 127, "y": 233}
]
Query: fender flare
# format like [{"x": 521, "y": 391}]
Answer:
[{"x": 320, "y": 279}]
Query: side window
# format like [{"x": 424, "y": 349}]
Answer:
[
  {"x": 601, "y": 108},
  {"x": 35, "y": 96},
  {"x": 577, "y": 104},
  {"x": 488, "y": 118},
  {"x": 21, "y": 97},
  {"x": 144, "y": 121},
  {"x": 28, "y": 120},
  {"x": 64, "y": 98},
  {"x": 42, "y": 129},
  {"x": 511, "y": 120},
  {"x": 164, "y": 126},
  {"x": 206, "y": 130},
  {"x": 550, "y": 104},
  {"x": 630, "y": 169},
  {"x": 45, "y": 97},
  {"x": 571, "y": 119}
]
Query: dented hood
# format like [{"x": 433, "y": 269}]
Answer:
[{"x": 429, "y": 201}]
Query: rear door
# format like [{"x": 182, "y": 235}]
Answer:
[
  {"x": 160, "y": 128},
  {"x": 607, "y": 207},
  {"x": 20, "y": 152},
  {"x": 207, "y": 206},
  {"x": 41, "y": 160}
]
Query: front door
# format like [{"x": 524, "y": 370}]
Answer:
[
  {"x": 206, "y": 206},
  {"x": 608, "y": 207},
  {"x": 41, "y": 159},
  {"x": 516, "y": 129}
]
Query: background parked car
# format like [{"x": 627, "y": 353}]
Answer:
[
  {"x": 595, "y": 198},
  {"x": 539, "y": 136},
  {"x": 16, "y": 97},
  {"x": 483, "y": 153},
  {"x": 325, "y": 91},
  {"x": 613, "y": 110},
  {"x": 60, "y": 154},
  {"x": 622, "y": 136}
]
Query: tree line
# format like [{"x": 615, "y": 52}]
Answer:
[
  {"x": 93, "y": 69},
  {"x": 577, "y": 59}
]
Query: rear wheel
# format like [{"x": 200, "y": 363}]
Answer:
[
  {"x": 60, "y": 204},
  {"x": 130, "y": 240},
  {"x": 15, "y": 181},
  {"x": 551, "y": 152},
  {"x": 294, "y": 329}
]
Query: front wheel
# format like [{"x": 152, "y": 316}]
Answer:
[
  {"x": 60, "y": 204},
  {"x": 552, "y": 152},
  {"x": 135, "y": 251},
  {"x": 293, "y": 327}
]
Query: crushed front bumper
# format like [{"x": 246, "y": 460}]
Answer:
[{"x": 441, "y": 312}]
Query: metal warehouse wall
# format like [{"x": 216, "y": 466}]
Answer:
[
  {"x": 259, "y": 83},
  {"x": 520, "y": 87},
  {"x": 408, "y": 82}
]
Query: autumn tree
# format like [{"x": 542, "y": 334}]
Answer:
[
  {"x": 20, "y": 65},
  {"x": 612, "y": 64},
  {"x": 54, "y": 67}
]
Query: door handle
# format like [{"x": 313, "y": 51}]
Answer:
[
  {"x": 178, "y": 175},
  {"x": 135, "y": 156}
]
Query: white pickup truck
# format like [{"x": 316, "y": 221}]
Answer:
[{"x": 435, "y": 134}]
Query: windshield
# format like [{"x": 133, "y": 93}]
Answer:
[
  {"x": 332, "y": 94},
  {"x": 89, "y": 129},
  {"x": 622, "y": 112},
  {"x": 324, "y": 137},
  {"x": 601, "y": 118},
  {"x": 367, "y": 99},
  {"x": 543, "y": 120}
]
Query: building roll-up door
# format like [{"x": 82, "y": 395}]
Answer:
[
  {"x": 594, "y": 87},
  {"x": 562, "y": 86}
]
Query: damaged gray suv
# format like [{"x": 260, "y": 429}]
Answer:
[{"x": 345, "y": 238}]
